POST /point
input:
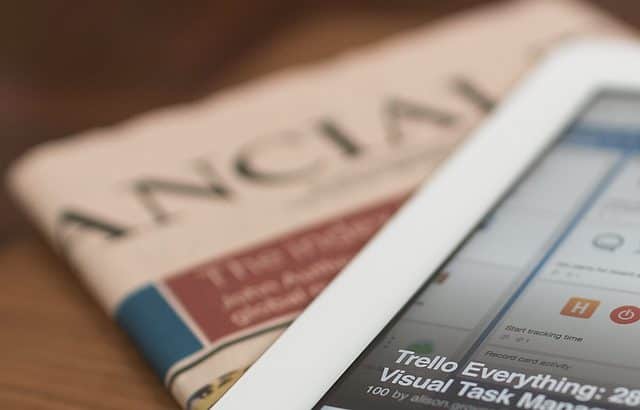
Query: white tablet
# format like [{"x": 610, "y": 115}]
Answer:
[{"x": 510, "y": 280}]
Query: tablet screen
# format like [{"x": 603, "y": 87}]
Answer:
[{"x": 539, "y": 308}]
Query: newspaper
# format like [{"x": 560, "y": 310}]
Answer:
[{"x": 204, "y": 229}]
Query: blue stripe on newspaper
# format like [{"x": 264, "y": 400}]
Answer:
[{"x": 155, "y": 327}]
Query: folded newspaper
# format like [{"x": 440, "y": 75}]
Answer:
[{"x": 204, "y": 230}]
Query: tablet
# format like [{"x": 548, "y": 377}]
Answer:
[{"x": 510, "y": 280}]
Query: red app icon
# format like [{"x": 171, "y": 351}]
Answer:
[{"x": 625, "y": 315}]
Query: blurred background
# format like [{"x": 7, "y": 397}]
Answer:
[{"x": 69, "y": 65}]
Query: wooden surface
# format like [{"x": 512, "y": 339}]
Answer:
[{"x": 58, "y": 350}]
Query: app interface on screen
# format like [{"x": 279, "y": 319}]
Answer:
[{"x": 540, "y": 307}]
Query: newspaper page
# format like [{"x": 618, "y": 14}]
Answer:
[{"x": 203, "y": 230}]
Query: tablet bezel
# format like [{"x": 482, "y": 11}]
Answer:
[{"x": 312, "y": 354}]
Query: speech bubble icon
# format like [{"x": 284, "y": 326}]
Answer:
[{"x": 608, "y": 241}]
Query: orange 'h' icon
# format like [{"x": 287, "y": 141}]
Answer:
[{"x": 580, "y": 307}]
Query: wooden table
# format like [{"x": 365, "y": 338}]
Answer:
[{"x": 58, "y": 350}]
